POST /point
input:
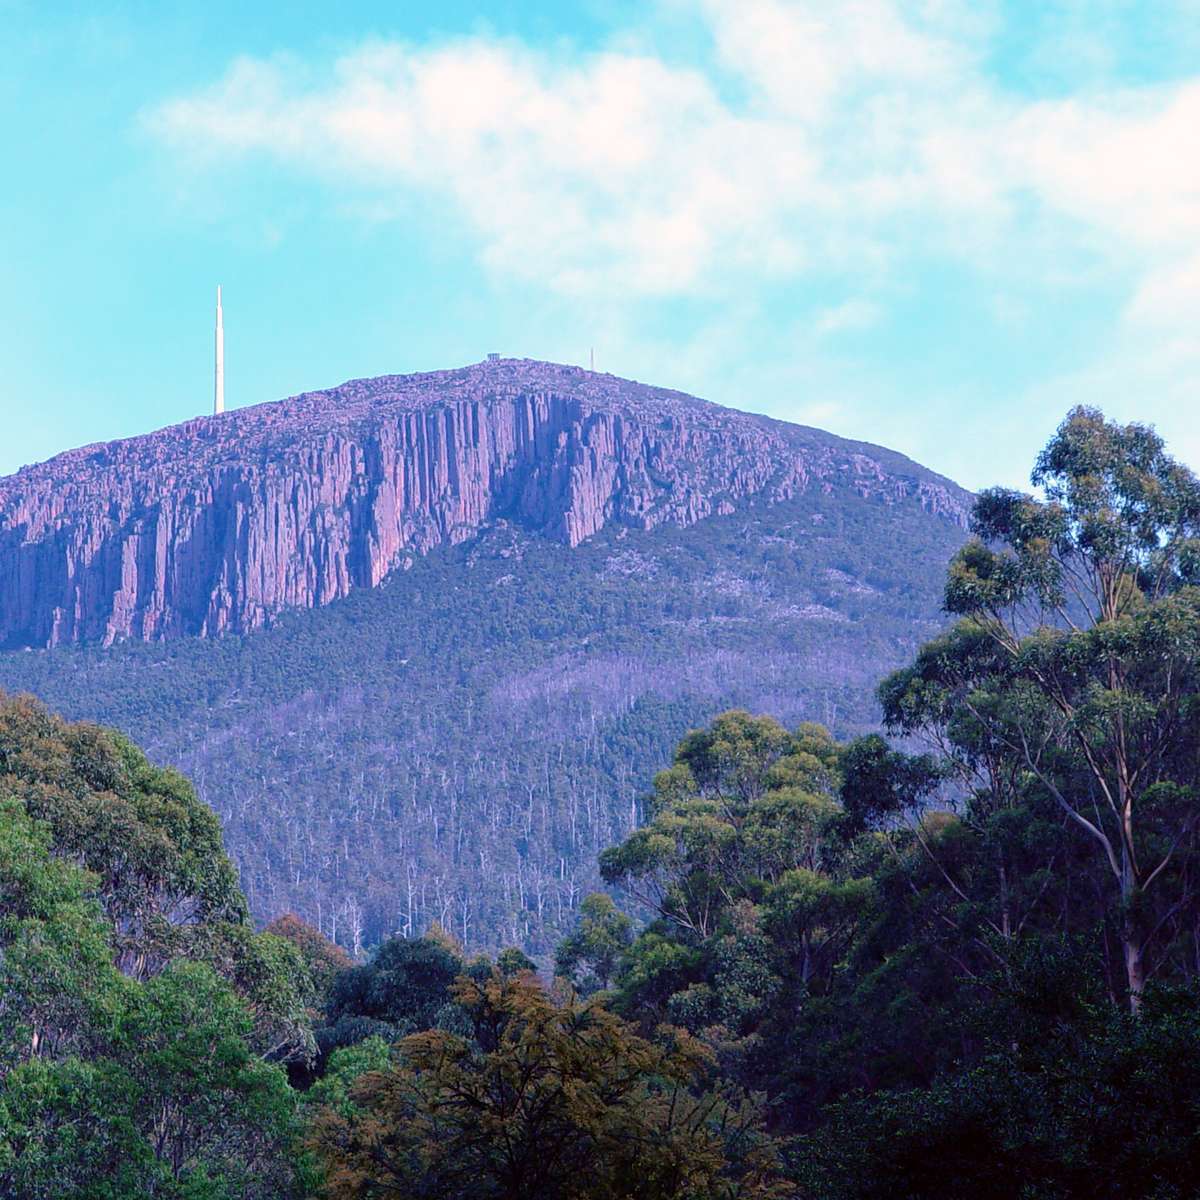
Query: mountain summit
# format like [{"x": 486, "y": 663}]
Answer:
[{"x": 220, "y": 523}]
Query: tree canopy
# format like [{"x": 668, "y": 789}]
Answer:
[
  {"x": 963, "y": 963},
  {"x": 542, "y": 1096}
]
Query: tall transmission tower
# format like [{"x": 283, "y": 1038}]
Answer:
[{"x": 219, "y": 381}]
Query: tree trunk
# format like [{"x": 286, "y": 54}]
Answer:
[{"x": 1135, "y": 971}]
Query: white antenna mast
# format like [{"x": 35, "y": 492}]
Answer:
[{"x": 219, "y": 385}]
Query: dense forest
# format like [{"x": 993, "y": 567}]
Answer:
[
  {"x": 459, "y": 744},
  {"x": 963, "y": 962}
]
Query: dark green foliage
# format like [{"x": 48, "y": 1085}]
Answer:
[
  {"x": 171, "y": 1103},
  {"x": 542, "y": 1096},
  {"x": 111, "y": 1087},
  {"x": 139, "y": 1011},
  {"x": 59, "y": 989},
  {"x": 157, "y": 864},
  {"x": 404, "y": 988},
  {"x": 324, "y": 960},
  {"x": 512, "y": 961},
  {"x": 196, "y": 1092},
  {"x": 881, "y": 784},
  {"x": 756, "y": 891},
  {"x": 1110, "y": 1108},
  {"x": 926, "y": 1004},
  {"x": 343, "y": 1067},
  {"x": 1077, "y": 669},
  {"x": 154, "y": 847},
  {"x": 588, "y": 958},
  {"x": 1004, "y": 934}
]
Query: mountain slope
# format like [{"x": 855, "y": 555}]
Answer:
[
  {"x": 458, "y": 742},
  {"x": 218, "y": 524}
]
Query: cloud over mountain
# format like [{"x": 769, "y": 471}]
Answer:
[
  {"x": 770, "y": 157},
  {"x": 803, "y": 135}
]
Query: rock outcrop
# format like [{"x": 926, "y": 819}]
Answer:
[{"x": 217, "y": 524}]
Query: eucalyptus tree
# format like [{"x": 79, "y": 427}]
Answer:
[
  {"x": 158, "y": 869},
  {"x": 58, "y": 985},
  {"x": 744, "y": 803},
  {"x": 1075, "y": 672},
  {"x": 589, "y": 957}
]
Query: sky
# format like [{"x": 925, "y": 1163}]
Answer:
[{"x": 931, "y": 224}]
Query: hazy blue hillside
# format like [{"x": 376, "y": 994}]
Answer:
[{"x": 459, "y": 743}]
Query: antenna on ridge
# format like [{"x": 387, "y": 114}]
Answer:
[
  {"x": 592, "y": 359},
  {"x": 219, "y": 364}
]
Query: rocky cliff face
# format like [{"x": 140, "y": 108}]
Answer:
[{"x": 216, "y": 524}]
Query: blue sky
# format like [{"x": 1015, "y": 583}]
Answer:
[{"x": 931, "y": 224}]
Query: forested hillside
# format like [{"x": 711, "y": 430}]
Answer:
[
  {"x": 460, "y": 743},
  {"x": 969, "y": 972}
]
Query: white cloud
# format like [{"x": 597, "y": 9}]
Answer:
[
  {"x": 617, "y": 168},
  {"x": 1168, "y": 295},
  {"x": 801, "y": 59},
  {"x": 619, "y": 171},
  {"x": 845, "y": 317},
  {"x": 1125, "y": 163},
  {"x": 812, "y": 131},
  {"x": 845, "y": 141}
]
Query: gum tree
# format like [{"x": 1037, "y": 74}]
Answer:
[{"x": 1078, "y": 661}]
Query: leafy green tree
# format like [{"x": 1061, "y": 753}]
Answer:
[
  {"x": 65, "y": 1135},
  {"x": 1078, "y": 664},
  {"x": 175, "y": 1103},
  {"x": 156, "y": 863},
  {"x": 512, "y": 960},
  {"x": 59, "y": 989},
  {"x": 325, "y": 960},
  {"x": 589, "y": 957},
  {"x": 657, "y": 966},
  {"x": 344, "y": 1067},
  {"x": 202, "y": 1099},
  {"x": 110, "y": 1087},
  {"x": 152, "y": 1082},
  {"x": 549, "y": 1097},
  {"x": 880, "y": 784},
  {"x": 748, "y": 863},
  {"x": 154, "y": 848},
  {"x": 1037, "y": 1122},
  {"x": 273, "y": 979},
  {"x": 982, "y": 852},
  {"x": 744, "y": 803},
  {"x": 402, "y": 990}
]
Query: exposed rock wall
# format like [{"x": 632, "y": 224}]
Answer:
[{"x": 217, "y": 524}]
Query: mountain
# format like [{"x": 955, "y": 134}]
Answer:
[
  {"x": 218, "y": 524},
  {"x": 422, "y": 640}
]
